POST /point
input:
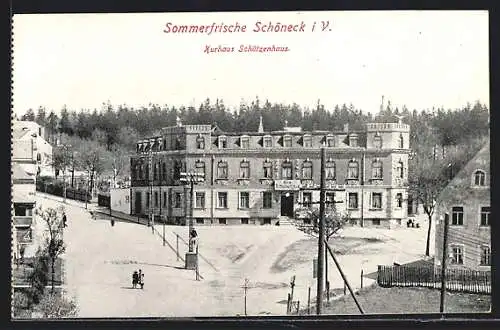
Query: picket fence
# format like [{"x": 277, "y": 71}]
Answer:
[{"x": 457, "y": 279}]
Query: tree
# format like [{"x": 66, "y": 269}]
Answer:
[
  {"x": 90, "y": 157},
  {"x": 334, "y": 219},
  {"x": 62, "y": 159},
  {"x": 55, "y": 305},
  {"x": 29, "y": 115},
  {"x": 38, "y": 278},
  {"x": 54, "y": 245}
]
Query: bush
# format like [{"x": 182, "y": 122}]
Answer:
[{"x": 55, "y": 305}]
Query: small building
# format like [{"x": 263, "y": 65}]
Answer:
[
  {"x": 263, "y": 177},
  {"x": 120, "y": 200},
  {"x": 467, "y": 200}
]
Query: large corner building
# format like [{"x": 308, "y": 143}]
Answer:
[{"x": 263, "y": 177}]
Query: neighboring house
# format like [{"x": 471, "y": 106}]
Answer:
[
  {"x": 120, "y": 200},
  {"x": 467, "y": 200},
  {"x": 31, "y": 132},
  {"x": 260, "y": 177}
]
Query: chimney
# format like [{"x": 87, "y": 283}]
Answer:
[
  {"x": 261, "y": 126},
  {"x": 346, "y": 128}
]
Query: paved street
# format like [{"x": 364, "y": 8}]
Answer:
[{"x": 100, "y": 260}]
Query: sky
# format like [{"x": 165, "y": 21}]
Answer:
[{"x": 421, "y": 59}]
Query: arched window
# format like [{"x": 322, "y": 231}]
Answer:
[
  {"x": 330, "y": 170},
  {"x": 155, "y": 171},
  {"x": 164, "y": 171},
  {"x": 353, "y": 169},
  {"x": 377, "y": 141},
  {"x": 376, "y": 169},
  {"x": 307, "y": 170},
  {"x": 479, "y": 178},
  {"x": 177, "y": 170},
  {"x": 222, "y": 171},
  {"x": 401, "y": 142},
  {"x": 400, "y": 170}
]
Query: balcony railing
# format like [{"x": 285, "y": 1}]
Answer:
[{"x": 23, "y": 221}]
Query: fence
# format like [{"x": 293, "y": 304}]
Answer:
[
  {"x": 457, "y": 280},
  {"x": 58, "y": 190}
]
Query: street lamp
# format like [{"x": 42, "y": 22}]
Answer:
[{"x": 191, "y": 178}]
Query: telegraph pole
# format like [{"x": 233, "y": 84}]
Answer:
[
  {"x": 321, "y": 238},
  {"x": 245, "y": 288},
  {"x": 443, "y": 262}
]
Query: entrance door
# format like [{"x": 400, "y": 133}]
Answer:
[
  {"x": 287, "y": 204},
  {"x": 138, "y": 202}
]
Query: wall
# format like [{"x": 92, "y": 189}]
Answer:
[{"x": 120, "y": 200}]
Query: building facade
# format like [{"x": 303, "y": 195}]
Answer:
[
  {"x": 263, "y": 177},
  {"x": 467, "y": 200}
]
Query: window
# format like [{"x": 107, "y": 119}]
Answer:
[
  {"x": 306, "y": 199},
  {"x": 200, "y": 168},
  {"x": 177, "y": 200},
  {"x": 307, "y": 170},
  {"x": 38, "y": 157},
  {"x": 330, "y": 199},
  {"x": 457, "y": 216},
  {"x": 399, "y": 200},
  {"x": 244, "y": 200},
  {"x": 307, "y": 141},
  {"x": 127, "y": 199},
  {"x": 200, "y": 142},
  {"x": 199, "y": 200},
  {"x": 267, "y": 142},
  {"x": 147, "y": 199},
  {"x": 353, "y": 200},
  {"x": 376, "y": 169},
  {"x": 376, "y": 200},
  {"x": 222, "y": 142},
  {"x": 400, "y": 170},
  {"x": 286, "y": 171},
  {"x": 330, "y": 141},
  {"x": 266, "y": 221},
  {"x": 222, "y": 221},
  {"x": 245, "y": 142},
  {"x": 200, "y": 221},
  {"x": 353, "y": 170},
  {"x": 401, "y": 142},
  {"x": 479, "y": 178},
  {"x": 377, "y": 142},
  {"x": 164, "y": 199},
  {"x": 457, "y": 255},
  {"x": 222, "y": 170},
  {"x": 330, "y": 170},
  {"x": 244, "y": 221},
  {"x": 485, "y": 216},
  {"x": 177, "y": 170},
  {"x": 244, "y": 170},
  {"x": 222, "y": 200},
  {"x": 268, "y": 170},
  {"x": 353, "y": 140},
  {"x": 485, "y": 256},
  {"x": 147, "y": 172},
  {"x": 156, "y": 199},
  {"x": 164, "y": 171},
  {"x": 376, "y": 222},
  {"x": 287, "y": 141},
  {"x": 155, "y": 172},
  {"x": 267, "y": 200}
]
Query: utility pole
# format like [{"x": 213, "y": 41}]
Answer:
[
  {"x": 443, "y": 262},
  {"x": 245, "y": 288},
  {"x": 321, "y": 238}
]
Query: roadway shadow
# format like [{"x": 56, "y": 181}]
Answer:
[{"x": 159, "y": 265}]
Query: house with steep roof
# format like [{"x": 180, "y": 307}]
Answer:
[{"x": 467, "y": 201}]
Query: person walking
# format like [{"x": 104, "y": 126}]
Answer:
[
  {"x": 64, "y": 220},
  {"x": 135, "y": 279},
  {"x": 141, "y": 278}
]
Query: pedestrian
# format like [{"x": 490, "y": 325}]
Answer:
[
  {"x": 64, "y": 220},
  {"x": 142, "y": 280},
  {"x": 135, "y": 279}
]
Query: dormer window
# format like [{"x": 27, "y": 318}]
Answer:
[
  {"x": 479, "y": 178},
  {"x": 376, "y": 169},
  {"x": 307, "y": 141},
  {"x": 222, "y": 142},
  {"x": 267, "y": 141},
  {"x": 353, "y": 140},
  {"x": 330, "y": 140},
  {"x": 377, "y": 141},
  {"x": 401, "y": 141},
  {"x": 307, "y": 170},
  {"x": 353, "y": 170},
  {"x": 200, "y": 142},
  {"x": 287, "y": 141},
  {"x": 244, "y": 169},
  {"x": 245, "y": 142},
  {"x": 222, "y": 171}
]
